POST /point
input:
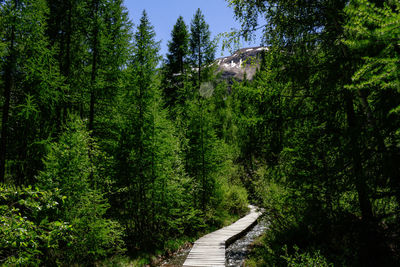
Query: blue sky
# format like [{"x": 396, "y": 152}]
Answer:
[{"x": 164, "y": 13}]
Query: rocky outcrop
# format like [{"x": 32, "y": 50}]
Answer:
[{"x": 243, "y": 62}]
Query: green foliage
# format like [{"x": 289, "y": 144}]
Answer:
[
  {"x": 305, "y": 259},
  {"x": 67, "y": 165},
  {"x": 83, "y": 104},
  {"x": 202, "y": 49},
  {"x": 236, "y": 200},
  {"x": 30, "y": 75},
  {"x": 68, "y": 168},
  {"x": 94, "y": 237},
  {"x": 373, "y": 31},
  {"x": 30, "y": 228},
  {"x": 316, "y": 131},
  {"x": 176, "y": 64},
  {"x": 153, "y": 192}
]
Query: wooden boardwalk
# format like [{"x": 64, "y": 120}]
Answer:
[{"x": 210, "y": 249}]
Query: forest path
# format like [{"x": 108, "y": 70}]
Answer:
[{"x": 209, "y": 250}]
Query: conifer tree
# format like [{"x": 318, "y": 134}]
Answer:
[
  {"x": 30, "y": 78},
  {"x": 148, "y": 165},
  {"x": 67, "y": 32},
  {"x": 199, "y": 130},
  {"x": 330, "y": 138},
  {"x": 114, "y": 48},
  {"x": 201, "y": 142},
  {"x": 99, "y": 31},
  {"x": 371, "y": 34},
  {"x": 176, "y": 63},
  {"x": 109, "y": 35},
  {"x": 70, "y": 171},
  {"x": 202, "y": 49}
]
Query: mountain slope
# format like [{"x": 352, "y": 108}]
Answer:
[{"x": 244, "y": 61}]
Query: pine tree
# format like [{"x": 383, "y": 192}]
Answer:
[
  {"x": 148, "y": 166},
  {"x": 30, "y": 78},
  {"x": 94, "y": 48},
  {"x": 330, "y": 137},
  {"x": 69, "y": 170},
  {"x": 109, "y": 35},
  {"x": 178, "y": 47},
  {"x": 114, "y": 48},
  {"x": 68, "y": 24},
  {"x": 199, "y": 133},
  {"x": 143, "y": 70},
  {"x": 371, "y": 35},
  {"x": 372, "y": 29},
  {"x": 202, "y": 49},
  {"x": 99, "y": 31},
  {"x": 201, "y": 143},
  {"x": 176, "y": 64}
]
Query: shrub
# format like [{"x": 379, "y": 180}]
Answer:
[
  {"x": 236, "y": 200},
  {"x": 27, "y": 232},
  {"x": 306, "y": 259}
]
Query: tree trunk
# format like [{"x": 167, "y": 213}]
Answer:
[
  {"x": 94, "y": 65},
  {"x": 199, "y": 74},
  {"x": 67, "y": 66},
  {"x": 9, "y": 84},
  {"x": 203, "y": 163},
  {"x": 360, "y": 183}
]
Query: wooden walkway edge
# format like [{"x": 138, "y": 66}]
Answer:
[{"x": 209, "y": 250}]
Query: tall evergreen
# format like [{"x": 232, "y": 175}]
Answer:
[
  {"x": 200, "y": 133},
  {"x": 99, "y": 31},
  {"x": 148, "y": 165},
  {"x": 95, "y": 56},
  {"x": 30, "y": 77},
  {"x": 176, "y": 64},
  {"x": 202, "y": 48},
  {"x": 307, "y": 108},
  {"x": 69, "y": 170},
  {"x": 84, "y": 123},
  {"x": 68, "y": 35},
  {"x": 108, "y": 38},
  {"x": 178, "y": 47}
]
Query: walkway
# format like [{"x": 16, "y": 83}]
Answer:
[{"x": 210, "y": 249}]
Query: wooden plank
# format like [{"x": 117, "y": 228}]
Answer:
[{"x": 209, "y": 250}]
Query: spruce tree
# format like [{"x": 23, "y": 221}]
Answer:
[
  {"x": 176, "y": 63},
  {"x": 108, "y": 37},
  {"x": 69, "y": 170},
  {"x": 30, "y": 78},
  {"x": 330, "y": 139},
  {"x": 98, "y": 31},
  {"x": 148, "y": 165},
  {"x": 68, "y": 32},
  {"x": 202, "y": 49},
  {"x": 199, "y": 130}
]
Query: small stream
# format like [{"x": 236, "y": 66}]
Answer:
[{"x": 236, "y": 253}]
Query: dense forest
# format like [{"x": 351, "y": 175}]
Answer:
[{"x": 110, "y": 153}]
